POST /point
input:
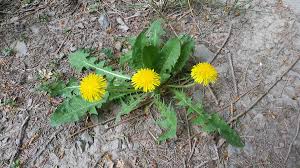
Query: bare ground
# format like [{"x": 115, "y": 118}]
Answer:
[{"x": 263, "y": 44}]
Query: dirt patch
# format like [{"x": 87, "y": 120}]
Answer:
[{"x": 263, "y": 43}]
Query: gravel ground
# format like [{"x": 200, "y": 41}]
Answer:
[{"x": 254, "y": 66}]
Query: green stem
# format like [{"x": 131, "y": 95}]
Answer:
[
  {"x": 182, "y": 86},
  {"x": 108, "y": 72},
  {"x": 119, "y": 90},
  {"x": 72, "y": 87}
]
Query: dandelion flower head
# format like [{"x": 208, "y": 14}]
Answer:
[
  {"x": 145, "y": 79},
  {"x": 204, "y": 73},
  {"x": 92, "y": 87}
]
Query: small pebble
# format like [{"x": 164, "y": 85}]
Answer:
[
  {"x": 118, "y": 46},
  {"x": 103, "y": 21},
  {"x": 80, "y": 26},
  {"x": 122, "y": 26}
]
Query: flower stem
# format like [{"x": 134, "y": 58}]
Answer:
[
  {"x": 120, "y": 90},
  {"x": 72, "y": 87},
  {"x": 108, "y": 72},
  {"x": 182, "y": 86}
]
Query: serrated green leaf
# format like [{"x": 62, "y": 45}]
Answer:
[
  {"x": 154, "y": 32},
  {"x": 72, "y": 88},
  {"x": 168, "y": 120},
  {"x": 59, "y": 88},
  {"x": 182, "y": 99},
  {"x": 151, "y": 57},
  {"x": 73, "y": 109},
  {"x": 126, "y": 58},
  {"x": 117, "y": 95},
  {"x": 226, "y": 132},
  {"x": 137, "y": 51},
  {"x": 187, "y": 47},
  {"x": 108, "y": 52},
  {"x": 209, "y": 122},
  {"x": 170, "y": 54},
  {"x": 131, "y": 40},
  {"x": 53, "y": 88},
  {"x": 131, "y": 104},
  {"x": 119, "y": 89},
  {"x": 80, "y": 59}
]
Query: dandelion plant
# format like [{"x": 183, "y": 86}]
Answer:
[{"x": 157, "y": 69}]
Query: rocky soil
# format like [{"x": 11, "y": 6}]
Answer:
[{"x": 255, "y": 68}]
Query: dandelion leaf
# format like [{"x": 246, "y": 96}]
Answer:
[
  {"x": 187, "y": 47},
  {"x": 169, "y": 55},
  {"x": 154, "y": 32},
  {"x": 126, "y": 59},
  {"x": 137, "y": 51},
  {"x": 151, "y": 57},
  {"x": 79, "y": 60},
  {"x": 129, "y": 105},
  {"x": 168, "y": 120},
  {"x": 226, "y": 132},
  {"x": 209, "y": 122},
  {"x": 59, "y": 88},
  {"x": 73, "y": 109}
]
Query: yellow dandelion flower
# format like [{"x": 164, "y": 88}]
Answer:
[
  {"x": 204, "y": 73},
  {"x": 146, "y": 79},
  {"x": 92, "y": 87}
]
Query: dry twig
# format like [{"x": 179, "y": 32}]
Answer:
[
  {"x": 150, "y": 133},
  {"x": 124, "y": 121},
  {"x": 20, "y": 141},
  {"x": 193, "y": 150},
  {"x": 224, "y": 43},
  {"x": 189, "y": 132},
  {"x": 238, "y": 98},
  {"x": 62, "y": 44},
  {"x": 294, "y": 139},
  {"x": 233, "y": 75},
  {"x": 213, "y": 95},
  {"x": 192, "y": 12},
  {"x": 263, "y": 95},
  {"x": 92, "y": 126}
]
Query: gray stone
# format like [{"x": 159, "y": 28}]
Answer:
[
  {"x": 73, "y": 48},
  {"x": 87, "y": 137},
  {"x": 232, "y": 151},
  {"x": 260, "y": 121},
  {"x": 21, "y": 48},
  {"x": 80, "y": 25},
  {"x": 248, "y": 149},
  {"x": 203, "y": 54},
  {"x": 51, "y": 13},
  {"x": 122, "y": 26},
  {"x": 93, "y": 19},
  {"x": 118, "y": 46},
  {"x": 35, "y": 29},
  {"x": 103, "y": 21},
  {"x": 281, "y": 145},
  {"x": 111, "y": 146},
  {"x": 29, "y": 102},
  {"x": 124, "y": 146},
  {"x": 290, "y": 91}
]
